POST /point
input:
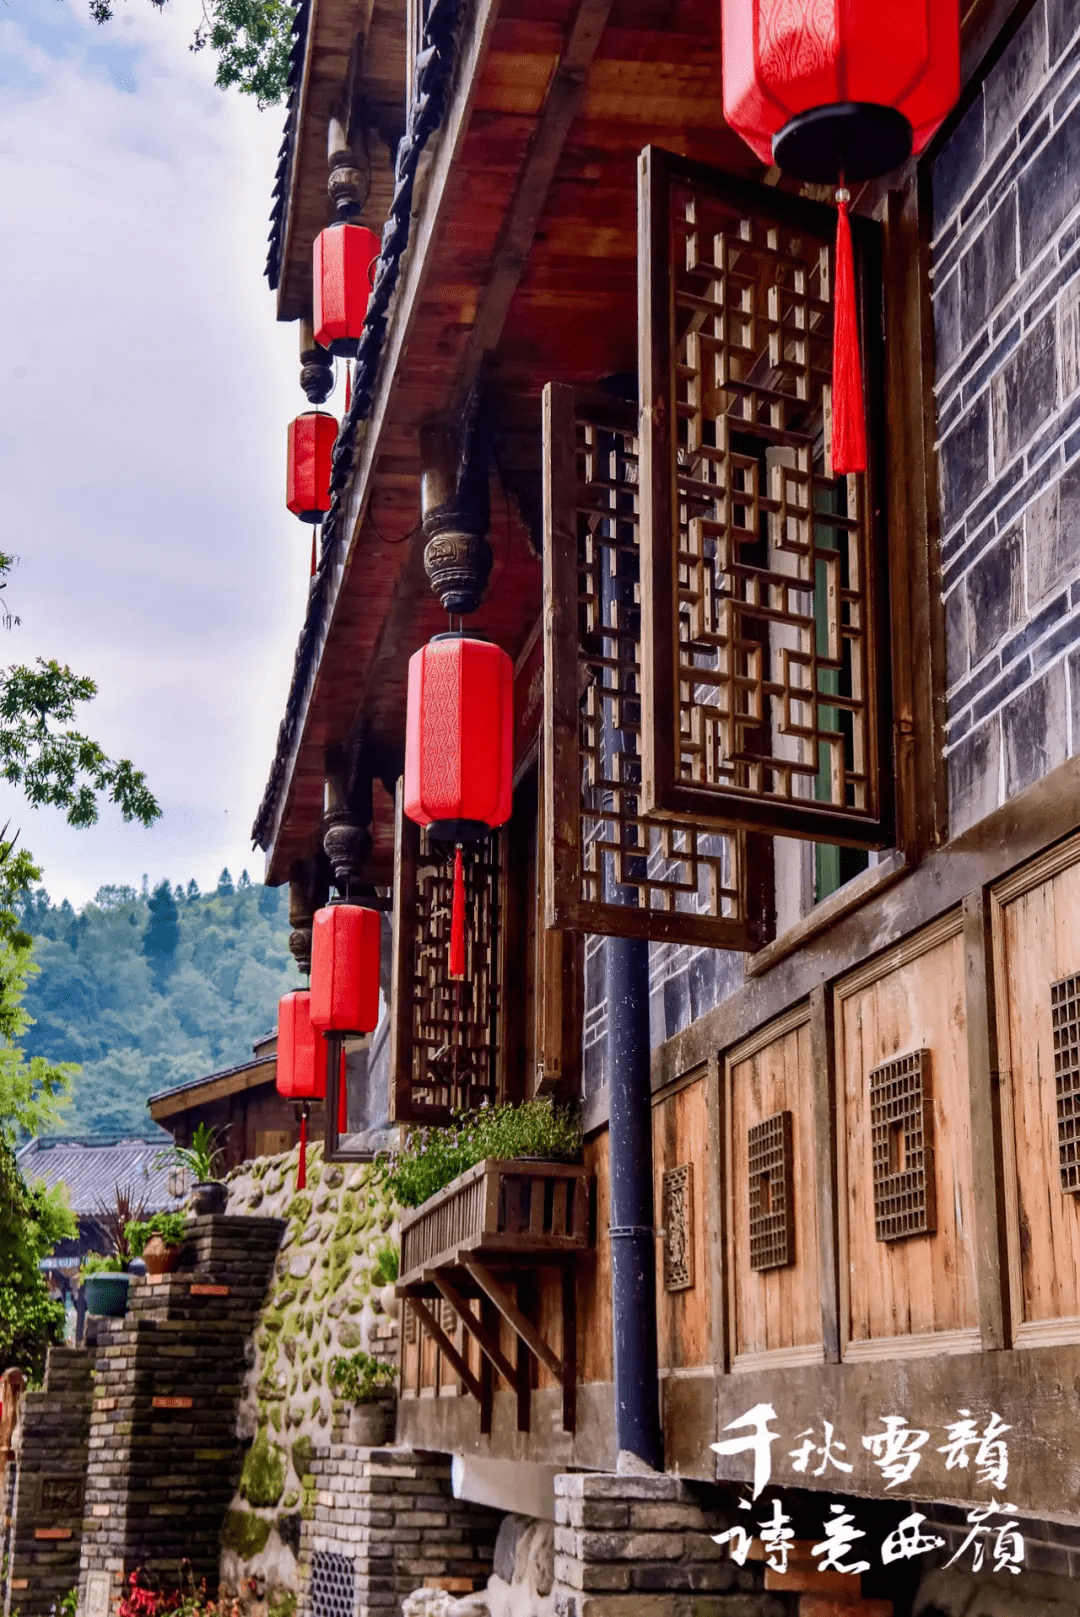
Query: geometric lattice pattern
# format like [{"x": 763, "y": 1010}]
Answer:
[
  {"x": 333, "y": 1585},
  {"x": 618, "y": 873},
  {"x": 771, "y": 1168},
  {"x": 766, "y": 706},
  {"x": 678, "y": 1221},
  {"x": 1065, "y": 1012},
  {"x": 902, "y": 1147},
  {"x": 445, "y": 1049}
]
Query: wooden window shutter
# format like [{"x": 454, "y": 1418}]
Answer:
[
  {"x": 446, "y": 1044},
  {"x": 764, "y": 646},
  {"x": 606, "y": 868}
]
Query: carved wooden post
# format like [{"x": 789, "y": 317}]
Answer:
[
  {"x": 316, "y": 366},
  {"x": 308, "y": 889},
  {"x": 350, "y": 173},
  {"x": 456, "y": 512},
  {"x": 346, "y": 825}
]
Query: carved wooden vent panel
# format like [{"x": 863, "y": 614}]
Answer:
[
  {"x": 771, "y": 1167},
  {"x": 1065, "y": 1012},
  {"x": 445, "y": 1048},
  {"x": 764, "y": 703},
  {"x": 611, "y": 870},
  {"x": 678, "y": 1215},
  {"x": 902, "y": 1145}
]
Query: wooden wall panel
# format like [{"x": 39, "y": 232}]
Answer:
[
  {"x": 594, "y": 1276},
  {"x": 681, "y": 1135},
  {"x": 917, "y": 1294},
  {"x": 1036, "y": 927},
  {"x": 775, "y": 1314}
]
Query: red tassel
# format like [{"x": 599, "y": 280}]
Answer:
[
  {"x": 457, "y": 919},
  {"x": 301, "y": 1166},
  {"x": 342, "y": 1097},
  {"x": 849, "y": 411}
]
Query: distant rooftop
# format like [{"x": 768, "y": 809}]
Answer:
[{"x": 92, "y": 1166}]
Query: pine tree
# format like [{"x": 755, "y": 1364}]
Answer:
[
  {"x": 245, "y": 880},
  {"x": 192, "y": 891},
  {"x": 225, "y": 888},
  {"x": 162, "y": 934}
]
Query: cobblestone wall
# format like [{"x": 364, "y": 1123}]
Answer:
[
  {"x": 46, "y": 1536},
  {"x": 1006, "y": 255},
  {"x": 385, "y": 1522}
]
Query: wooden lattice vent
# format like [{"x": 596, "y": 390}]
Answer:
[
  {"x": 761, "y": 601},
  {"x": 445, "y": 1034},
  {"x": 677, "y": 1205},
  {"x": 771, "y": 1169},
  {"x": 902, "y": 1147},
  {"x": 610, "y": 870},
  {"x": 1065, "y": 1014}
]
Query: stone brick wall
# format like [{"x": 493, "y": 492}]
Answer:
[
  {"x": 163, "y": 1452},
  {"x": 391, "y": 1517},
  {"x": 1006, "y": 263},
  {"x": 46, "y": 1534}
]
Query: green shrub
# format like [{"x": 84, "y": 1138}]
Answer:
[
  {"x": 388, "y": 1262},
  {"x": 302, "y": 1451},
  {"x": 361, "y": 1378},
  {"x": 97, "y": 1264},
  {"x": 172, "y": 1227},
  {"x": 431, "y": 1158},
  {"x": 245, "y": 1533}
]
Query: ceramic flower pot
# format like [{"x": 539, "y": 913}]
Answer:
[
  {"x": 159, "y": 1258},
  {"x": 371, "y": 1424},
  {"x": 107, "y": 1295},
  {"x": 210, "y": 1196}
]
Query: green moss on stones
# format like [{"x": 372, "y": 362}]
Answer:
[
  {"x": 302, "y": 1450},
  {"x": 282, "y": 1603},
  {"x": 262, "y": 1481},
  {"x": 245, "y": 1533},
  {"x": 273, "y": 1321},
  {"x": 348, "y": 1334},
  {"x": 320, "y": 1291},
  {"x": 275, "y": 1417},
  {"x": 291, "y": 1498}
]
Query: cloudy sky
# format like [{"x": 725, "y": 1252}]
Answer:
[{"x": 146, "y": 392}]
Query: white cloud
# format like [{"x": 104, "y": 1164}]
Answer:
[{"x": 146, "y": 392}]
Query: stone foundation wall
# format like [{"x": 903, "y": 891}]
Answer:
[
  {"x": 46, "y": 1531},
  {"x": 385, "y": 1522}
]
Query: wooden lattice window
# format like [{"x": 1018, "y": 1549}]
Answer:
[
  {"x": 902, "y": 1147},
  {"x": 771, "y": 1167},
  {"x": 677, "y": 1203},
  {"x": 607, "y": 869},
  {"x": 445, "y": 1043},
  {"x": 1065, "y": 1012},
  {"x": 763, "y": 599}
]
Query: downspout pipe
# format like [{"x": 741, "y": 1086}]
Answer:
[{"x": 633, "y": 1237}]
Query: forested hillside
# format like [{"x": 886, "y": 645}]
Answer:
[{"x": 147, "y": 990}]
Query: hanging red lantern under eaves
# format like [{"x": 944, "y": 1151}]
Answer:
[
  {"x": 839, "y": 90},
  {"x": 312, "y": 437},
  {"x": 301, "y": 1050},
  {"x": 459, "y": 751},
  {"x": 344, "y": 259},
  {"x": 345, "y": 946}
]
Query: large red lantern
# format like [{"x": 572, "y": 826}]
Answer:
[
  {"x": 343, "y": 267},
  {"x": 311, "y": 447},
  {"x": 838, "y": 92},
  {"x": 345, "y": 945},
  {"x": 301, "y": 1064},
  {"x": 459, "y": 751}
]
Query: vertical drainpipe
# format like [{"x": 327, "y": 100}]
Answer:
[{"x": 633, "y": 1237}]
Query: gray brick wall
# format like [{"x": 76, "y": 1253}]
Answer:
[{"x": 1006, "y": 264}]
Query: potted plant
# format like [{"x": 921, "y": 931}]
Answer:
[
  {"x": 368, "y": 1384},
  {"x": 201, "y": 1158},
  {"x": 105, "y": 1285},
  {"x": 159, "y": 1241}
]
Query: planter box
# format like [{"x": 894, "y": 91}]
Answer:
[{"x": 502, "y": 1211}]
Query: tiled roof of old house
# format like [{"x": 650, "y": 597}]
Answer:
[{"x": 92, "y": 1168}]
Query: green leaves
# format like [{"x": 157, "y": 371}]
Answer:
[
  {"x": 31, "y": 1223},
  {"x": 252, "y": 40},
  {"x": 57, "y": 765},
  {"x": 431, "y": 1158}
]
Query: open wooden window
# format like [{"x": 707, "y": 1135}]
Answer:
[
  {"x": 608, "y": 869},
  {"x": 762, "y": 576}
]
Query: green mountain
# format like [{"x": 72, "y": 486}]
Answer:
[{"x": 147, "y": 990}]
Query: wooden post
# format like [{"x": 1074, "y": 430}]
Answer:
[
  {"x": 821, "y": 1050},
  {"x": 988, "y": 1188}
]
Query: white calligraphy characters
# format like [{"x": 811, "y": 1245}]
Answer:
[{"x": 897, "y": 1451}]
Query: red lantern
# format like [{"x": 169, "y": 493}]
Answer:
[
  {"x": 311, "y": 446},
  {"x": 343, "y": 269},
  {"x": 345, "y": 945},
  {"x": 301, "y": 1050},
  {"x": 837, "y": 92},
  {"x": 459, "y": 751}
]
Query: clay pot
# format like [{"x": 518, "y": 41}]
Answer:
[
  {"x": 210, "y": 1196},
  {"x": 159, "y": 1258},
  {"x": 371, "y": 1425}
]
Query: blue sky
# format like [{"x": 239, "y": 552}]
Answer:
[{"x": 147, "y": 390}]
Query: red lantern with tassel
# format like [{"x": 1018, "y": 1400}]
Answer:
[
  {"x": 344, "y": 265},
  {"x": 311, "y": 447},
  {"x": 838, "y": 92},
  {"x": 301, "y": 1063},
  {"x": 459, "y": 750},
  {"x": 345, "y": 945}
]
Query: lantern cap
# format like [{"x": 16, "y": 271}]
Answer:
[{"x": 851, "y": 140}]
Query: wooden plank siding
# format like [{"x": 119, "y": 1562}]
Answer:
[{"x": 681, "y": 1134}]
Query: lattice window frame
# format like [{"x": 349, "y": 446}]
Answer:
[
  {"x": 691, "y": 887},
  {"x": 901, "y": 1094},
  {"x": 677, "y": 1211},
  {"x": 771, "y": 1152},
  {"x": 420, "y": 976},
  {"x": 669, "y": 610},
  {"x": 1065, "y": 1021}
]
